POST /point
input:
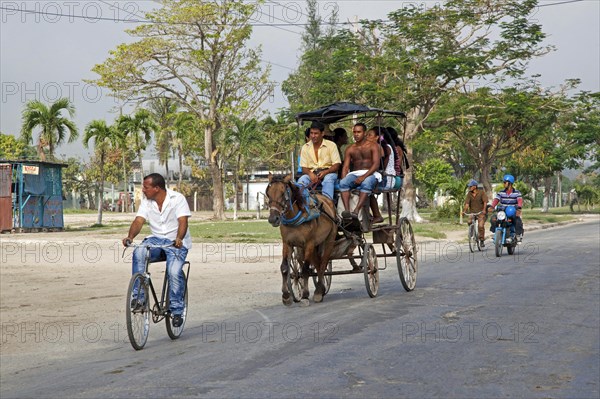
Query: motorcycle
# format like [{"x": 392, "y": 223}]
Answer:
[{"x": 504, "y": 234}]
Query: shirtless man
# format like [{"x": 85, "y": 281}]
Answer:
[{"x": 364, "y": 156}]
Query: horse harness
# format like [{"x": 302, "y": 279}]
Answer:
[{"x": 287, "y": 205}]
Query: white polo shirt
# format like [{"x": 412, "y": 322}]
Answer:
[{"x": 164, "y": 223}]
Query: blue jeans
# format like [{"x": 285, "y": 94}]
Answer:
[
  {"x": 367, "y": 186},
  {"x": 175, "y": 259},
  {"x": 328, "y": 184}
]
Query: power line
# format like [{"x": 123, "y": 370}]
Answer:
[
  {"x": 278, "y": 65},
  {"x": 144, "y": 21},
  {"x": 559, "y": 3},
  {"x": 253, "y": 19}
]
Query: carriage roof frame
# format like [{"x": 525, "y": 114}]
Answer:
[{"x": 338, "y": 111}]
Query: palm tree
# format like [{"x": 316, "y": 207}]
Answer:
[
  {"x": 104, "y": 136},
  {"x": 52, "y": 122},
  {"x": 184, "y": 125},
  {"x": 164, "y": 111},
  {"x": 139, "y": 127},
  {"x": 241, "y": 140}
]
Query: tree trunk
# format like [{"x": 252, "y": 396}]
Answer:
[
  {"x": 125, "y": 202},
  {"x": 101, "y": 205},
  {"x": 235, "y": 187},
  {"x": 547, "y": 187},
  {"x": 92, "y": 204},
  {"x": 486, "y": 179},
  {"x": 180, "y": 150},
  {"x": 218, "y": 197},
  {"x": 167, "y": 171},
  {"x": 409, "y": 198}
]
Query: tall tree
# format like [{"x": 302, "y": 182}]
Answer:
[
  {"x": 52, "y": 122},
  {"x": 441, "y": 49},
  {"x": 104, "y": 138},
  {"x": 185, "y": 125},
  {"x": 241, "y": 141},
  {"x": 491, "y": 126},
  {"x": 138, "y": 128},
  {"x": 164, "y": 111},
  {"x": 195, "y": 52},
  {"x": 420, "y": 54}
]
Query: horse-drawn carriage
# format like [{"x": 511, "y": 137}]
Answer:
[{"x": 310, "y": 247}]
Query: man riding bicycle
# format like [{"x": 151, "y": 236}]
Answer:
[
  {"x": 506, "y": 197},
  {"x": 167, "y": 213},
  {"x": 476, "y": 202}
]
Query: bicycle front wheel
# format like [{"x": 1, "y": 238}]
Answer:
[
  {"x": 472, "y": 237},
  {"x": 138, "y": 311},
  {"x": 175, "y": 332}
]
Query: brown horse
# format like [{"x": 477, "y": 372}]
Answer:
[{"x": 315, "y": 237}]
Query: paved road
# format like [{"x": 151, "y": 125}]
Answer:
[{"x": 475, "y": 326}]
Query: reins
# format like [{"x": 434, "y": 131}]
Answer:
[{"x": 287, "y": 205}]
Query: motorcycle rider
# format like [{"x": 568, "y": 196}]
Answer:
[
  {"x": 476, "y": 201},
  {"x": 506, "y": 197}
]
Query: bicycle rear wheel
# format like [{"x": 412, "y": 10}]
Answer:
[
  {"x": 175, "y": 332},
  {"x": 138, "y": 311}
]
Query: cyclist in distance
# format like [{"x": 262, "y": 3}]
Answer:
[
  {"x": 476, "y": 202},
  {"x": 510, "y": 196},
  {"x": 167, "y": 213}
]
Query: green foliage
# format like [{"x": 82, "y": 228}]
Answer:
[
  {"x": 456, "y": 190},
  {"x": 13, "y": 148},
  {"x": 196, "y": 53},
  {"x": 448, "y": 211},
  {"x": 587, "y": 190},
  {"x": 433, "y": 174},
  {"x": 53, "y": 124},
  {"x": 416, "y": 57},
  {"x": 138, "y": 128}
]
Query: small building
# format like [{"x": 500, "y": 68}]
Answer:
[{"x": 31, "y": 195}]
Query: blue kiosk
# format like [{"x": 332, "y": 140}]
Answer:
[{"x": 35, "y": 189}]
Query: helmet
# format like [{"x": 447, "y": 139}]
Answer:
[
  {"x": 509, "y": 178},
  {"x": 472, "y": 183},
  {"x": 510, "y": 210}
]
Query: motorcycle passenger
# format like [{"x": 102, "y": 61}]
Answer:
[
  {"x": 506, "y": 197},
  {"x": 476, "y": 202}
]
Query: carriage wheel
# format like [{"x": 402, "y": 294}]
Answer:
[
  {"x": 406, "y": 254},
  {"x": 294, "y": 279},
  {"x": 371, "y": 270},
  {"x": 327, "y": 277}
]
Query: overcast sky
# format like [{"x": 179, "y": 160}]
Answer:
[{"x": 46, "y": 56}]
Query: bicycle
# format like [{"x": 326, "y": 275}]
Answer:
[
  {"x": 473, "y": 236},
  {"x": 138, "y": 309}
]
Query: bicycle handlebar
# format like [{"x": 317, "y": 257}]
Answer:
[
  {"x": 473, "y": 214},
  {"x": 132, "y": 245}
]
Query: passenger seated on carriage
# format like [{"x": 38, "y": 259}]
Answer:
[
  {"x": 364, "y": 156},
  {"x": 400, "y": 161},
  {"x": 320, "y": 161},
  {"x": 340, "y": 137},
  {"x": 388, "y": 157}
]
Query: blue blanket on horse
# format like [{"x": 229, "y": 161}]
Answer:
[{"x": 310, "y": 211}]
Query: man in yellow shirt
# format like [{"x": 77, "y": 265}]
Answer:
[{"x": 320, "y": 161}]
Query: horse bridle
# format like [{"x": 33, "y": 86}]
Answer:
[{"x": 284, "y": 205}]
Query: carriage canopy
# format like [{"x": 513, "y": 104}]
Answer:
[{"x": 339, "y": 110}]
